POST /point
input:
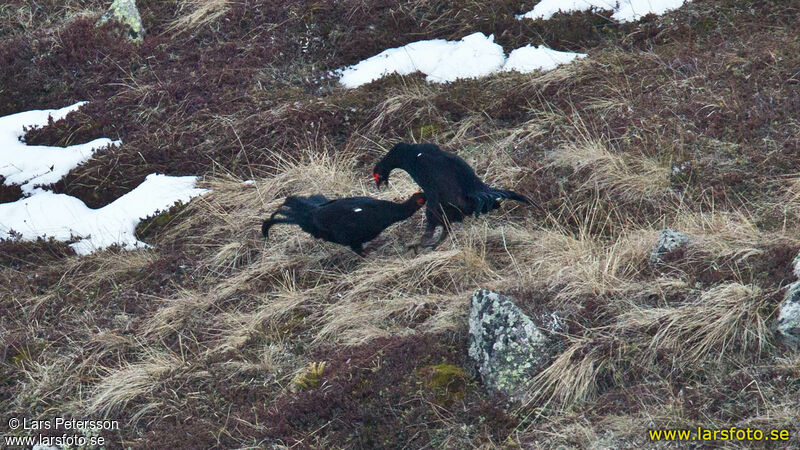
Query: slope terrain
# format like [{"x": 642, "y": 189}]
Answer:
[{"x": 216, "y": 338}]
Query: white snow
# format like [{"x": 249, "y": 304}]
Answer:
[
  {"x": 444, "y": 61},
  {"x": 63, "y": 217},
  {"x": 624, "y": 10},
  {"x": 527, "y": 59},
  {"x": 29, "y": 165},
  {"x": 60, "y": 216},
  {"x": 631, "y": 10}
]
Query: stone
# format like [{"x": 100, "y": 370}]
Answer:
[
  {"x": 669, "y": 241},
  {"x": 506, "y": 348},
  {"x": 126, "y": 13},
  {"x": 787, "y": 325}
]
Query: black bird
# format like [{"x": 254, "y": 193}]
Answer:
[
  {"x": 350, "y": 221},
  {"x": 452, "y": 190}
]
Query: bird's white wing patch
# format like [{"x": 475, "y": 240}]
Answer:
[
  {"x": 357, "y": 210},
  {"x": 419, "y": 154}
]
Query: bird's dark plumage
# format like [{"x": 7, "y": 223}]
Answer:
[
  {"x": 350, "y": 221},
  {"x": 452, "y": 189}
]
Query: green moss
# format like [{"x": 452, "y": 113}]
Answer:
[
  {"x": 26, "y": 354},
  {"x": 428, "y": 131},
  {"x": 288, "y": 326},
  {"x": 160, "y": 221},
  {"x": 446, "y": 381},
  {"x": 705, "y": 25},
  {"x": 309, "y": 378}
]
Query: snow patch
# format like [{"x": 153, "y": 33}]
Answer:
[
  {"x": 473, "y": 56},
  {"x": 64, "y": 217},
  {"x": 529, "y": 58},
  {"x": 624, "y": 10},
  {"x": 442, "y": 61},
  {"x": 29, "y": 165}
]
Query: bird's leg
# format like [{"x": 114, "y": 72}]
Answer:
[
  {"x": 359, "y": 250},
  {"x": 479, "y": 205},
  {"x": 430, "y": 230},
  {"x": 434, "y": 221},
  {"x": 369, "y": 248},
  {"x": 429, "y": 239},
  {"x": 445, "y": 232}
]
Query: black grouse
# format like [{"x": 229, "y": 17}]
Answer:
[
  {"x": 350, "y": 221},
  {"x": 452, "y": 190}
]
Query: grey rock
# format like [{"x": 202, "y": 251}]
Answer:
[
  {"x": 125, "y": 12},
  {"x": 787, "y": 325},
  {"x": 506, "y": 348},
  {"x": 669, "y": 241}
]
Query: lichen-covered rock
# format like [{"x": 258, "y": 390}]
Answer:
[
  {"x": 506, "y": 348},
  {"x": 126, "y": 13},
  {"x": 787, "y": 325},
  {"x": 668, "y": 241}
]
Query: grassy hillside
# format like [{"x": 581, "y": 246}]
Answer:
[{"x": 215, "y": 337}]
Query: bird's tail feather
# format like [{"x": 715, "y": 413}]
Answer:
[
  {"x": 486, "y": 200},
  {"x": 510, "y": 195},
  {"x": 295, "y": 210},
  {"x": 305, "y": 203}
]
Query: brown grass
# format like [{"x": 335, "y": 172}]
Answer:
[
  {"x": 681, "y": 122},
  {"x": 197, "y": 13},
  {"x": 623, "y": 176}
]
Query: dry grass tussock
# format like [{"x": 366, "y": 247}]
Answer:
[
  {"x": 727, "y": 322},
  {"x": 197, "y": 13},
  {"x": 730, "y": 234},
  {"x": 720, "y": 322},
  {"x": 133, "y": 381},
  {"x": 620, "y": 174},
  {"x": 83, "y": 274},
  {"x": 411, "y": 101},
  {"x": 577, "y": 265}
]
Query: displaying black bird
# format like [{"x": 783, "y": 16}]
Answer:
[
  {"x": 350, "y": 221},
  {"x": 452, "y": 190}
]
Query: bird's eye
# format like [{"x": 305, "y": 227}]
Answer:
[{"x": 376, "y": 177}]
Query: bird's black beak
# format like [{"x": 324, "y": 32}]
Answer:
[{"x": 379, "y": 180}]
